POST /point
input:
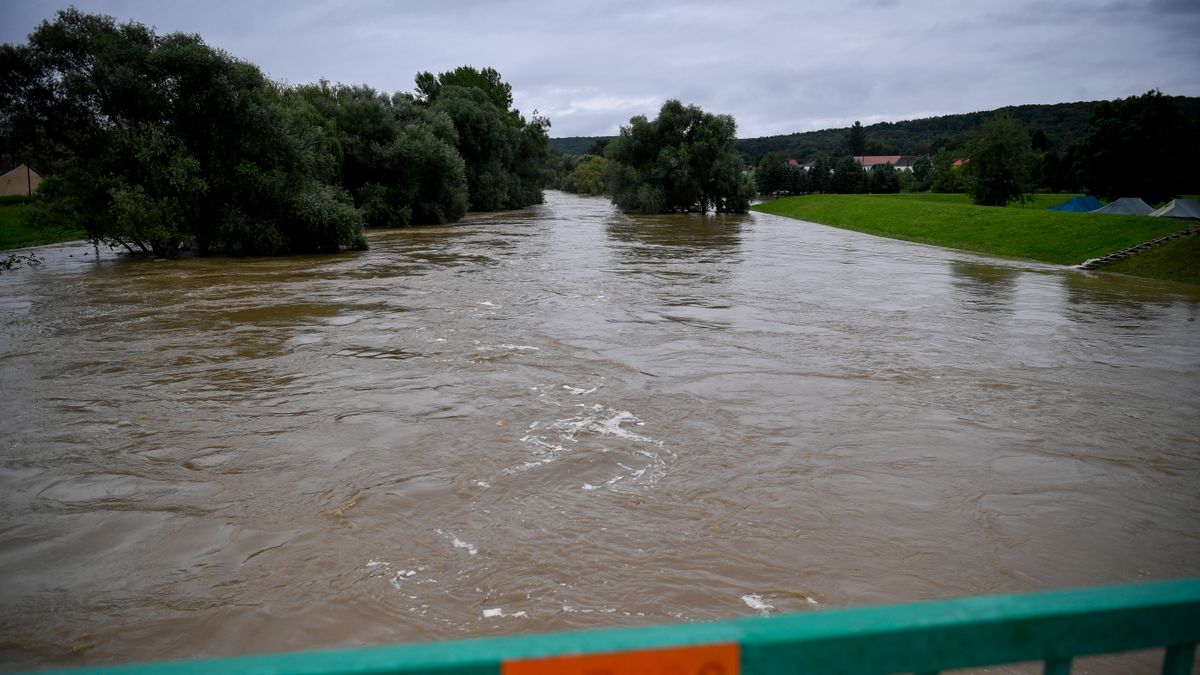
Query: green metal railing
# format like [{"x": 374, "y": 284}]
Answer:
[{"x": 919, "y": 637}]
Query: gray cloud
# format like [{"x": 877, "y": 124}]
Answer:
[{"x": 778, "y": 67}]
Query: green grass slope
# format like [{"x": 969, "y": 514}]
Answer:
[
  {"x": 15, "y": 232},
  {"x": 1031, "y": 233},
  {"x": 1177, "y": 260}
]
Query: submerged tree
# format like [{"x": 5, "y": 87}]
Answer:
[
  {"x": 681, "y": 161},
  {"x": 502, "y": 151},
  {"x": 587, "y": 178},
  {"x": 397, "y": 158},
  {"x": 162, "y": 142}
]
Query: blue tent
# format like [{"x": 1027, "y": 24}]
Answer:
[{"x": 1078, "y": 204}]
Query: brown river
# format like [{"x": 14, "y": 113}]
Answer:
[{"x": 566, "y": 417}]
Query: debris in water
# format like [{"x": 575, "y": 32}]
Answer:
[{"x": 340, "y": 512}]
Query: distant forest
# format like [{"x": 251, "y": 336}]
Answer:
[{"x": 1063, "y": 124}]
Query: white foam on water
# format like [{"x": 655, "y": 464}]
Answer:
[
  {"x": 458, "y": 543},
  {"x": 483, "y": 484},
  {"x": 579, "y": 391},
  {"x": 755, "y": 601},
  {"x": 498, "y": 611},
  {"x": 553, "y": 440},
  {"x": 485, "y": 303},
  {"x": 377, "y": 563}
]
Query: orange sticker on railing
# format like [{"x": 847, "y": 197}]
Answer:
[{"x": 702, "y": 660}]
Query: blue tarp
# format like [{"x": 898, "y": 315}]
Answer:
[{"x": 1078, "y": 204}]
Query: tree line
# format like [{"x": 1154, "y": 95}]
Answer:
[
  {"x": 161, "y": 143},
  {"x": 1141, "y": 146},
  {"x": 1063, "y": 124},
  {"x": 681, "y": 161}
]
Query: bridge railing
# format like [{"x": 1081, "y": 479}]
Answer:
[{"x": 920, "y": 637}]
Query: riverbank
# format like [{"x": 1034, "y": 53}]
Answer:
[
  {"x": 942, "y": 220},
  {"x": 16, "y": 232},
  {"x": 1178, "y": 260}
]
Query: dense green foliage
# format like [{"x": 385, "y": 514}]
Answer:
[
  {"x": 945, "y": 176},
  {"x": 1001, "y": 160},
  {"x": 848, "y": 177},
  {"x": 587, "y": 178},
  {"x": 775, "y": 175},
  {"x": 1143, "y": 146},
  {"x": 162, "y": 143},
  {"x": 683, "y": 160},
  {"x": 1177, "y": 260},
  {"x": 884, "y": 179},
  {"x": 398, "y": 159},
  {"x": 577, "y": 145},
  {"x": 856, "y": 140},
  {"x": 1109, "y": 146},
  {"x": 1063, "y": 123},
  {"x": 503, "y": 152},
  {"x": 1049, "y": 236}
]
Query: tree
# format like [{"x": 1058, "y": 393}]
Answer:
[
  {"x": 503, "y": 152},
  {"x": 598, "y": 146},
  {"x": 394, "y": 156},
  {"x": 922, "y": 174},
  {"x": 820, "y": 174},
  {"x": 499, "y": 92},
  {"x": 1001, "y": 159},
  {"x": 848, "y": 177},
  {"x": 946, "y": 176},
  {"x": 856, "y": 139},
  {"x": 883, "y": 179},
  {"x": 770, "y": 176},
  {"x": 797, "y": 181},
  {"x": 683, "y": 160},
  {"x": 1143, "y": 146},
  {"x": 587, "y": 177},
  {"x": 162, "y": 143}
]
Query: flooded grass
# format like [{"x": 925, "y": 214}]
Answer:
[{"x": 1034, "y": 234}]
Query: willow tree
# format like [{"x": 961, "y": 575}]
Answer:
[
  {"x": 159, "y": 143},
  {"x": 683, "y": 160},
  {"x": 502, "y": 150},
  {"x": 395, "y": 156}
]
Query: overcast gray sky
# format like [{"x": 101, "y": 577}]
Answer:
[{"x": 778, "y": 67}]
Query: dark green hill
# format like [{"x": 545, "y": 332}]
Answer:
[
  {"x": 574, "y": 145},
  {"x": 1062, "y": 123}
]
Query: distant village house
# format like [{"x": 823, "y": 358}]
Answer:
[{"x": 899, "y": 162}]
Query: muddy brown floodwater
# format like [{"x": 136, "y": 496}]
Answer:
[{"x": 565, "y": 417}]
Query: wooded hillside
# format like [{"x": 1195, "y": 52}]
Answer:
[{"x": 1062, "y": 124}]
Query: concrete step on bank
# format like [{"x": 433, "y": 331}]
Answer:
[{"x": 1095, "y": 263}]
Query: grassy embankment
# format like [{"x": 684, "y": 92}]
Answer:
[
  {"x": 1177, "y": 260},
  {"x": 1016, "y": 231},
  {"x": 15, "y": 232}
]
